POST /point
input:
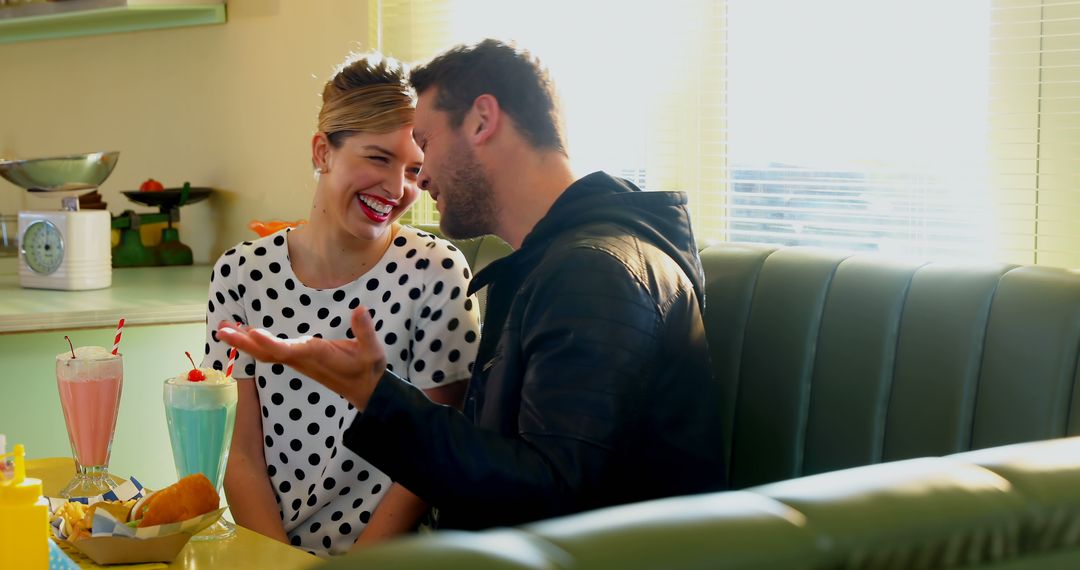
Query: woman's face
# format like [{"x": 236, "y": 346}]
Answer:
[{"x": 370, "y": 180}]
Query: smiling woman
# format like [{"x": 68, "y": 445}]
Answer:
[{"x": 288, "y": 475}]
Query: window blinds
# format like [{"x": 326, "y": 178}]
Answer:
[{"x": 936, "y": 129}]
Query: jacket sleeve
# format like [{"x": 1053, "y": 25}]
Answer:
[{"x": 588, "y": 345}]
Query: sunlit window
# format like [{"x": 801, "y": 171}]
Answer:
[{"x": 941, "y": 129}]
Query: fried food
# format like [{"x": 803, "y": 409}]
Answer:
[
  {"x": 189, "y": 497},
  {"x": 75, "y": 520},
  {"x": 79, "y": 519}
]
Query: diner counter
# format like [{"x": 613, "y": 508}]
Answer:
[
  {"x": 245, "y": 550},
  {"x": 139, "y": 295}
]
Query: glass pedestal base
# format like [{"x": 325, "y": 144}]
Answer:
[
  {"x": 220, "y": 530},
  {"x": 89, "y": 482}
]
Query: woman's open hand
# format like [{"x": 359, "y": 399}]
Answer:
[{"x": 350, "y": 367}]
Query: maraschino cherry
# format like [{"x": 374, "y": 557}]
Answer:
[{"x": 194, "y": 375}]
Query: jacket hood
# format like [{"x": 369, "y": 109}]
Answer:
[{"x": 660, "y": 218}]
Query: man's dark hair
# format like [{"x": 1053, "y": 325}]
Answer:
[{"x": 513, "y": 76}]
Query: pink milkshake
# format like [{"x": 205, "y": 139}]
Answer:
[{"x": 90, "y": 386}]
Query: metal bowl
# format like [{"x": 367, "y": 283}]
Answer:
[{"x": 60, "y": 173}]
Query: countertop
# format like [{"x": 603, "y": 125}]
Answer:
[{"x": 139, "y": 295}]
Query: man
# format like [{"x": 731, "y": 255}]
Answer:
[{"x": 592, "y": 384}]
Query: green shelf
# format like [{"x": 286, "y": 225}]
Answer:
[{"x": 71, "y": 18}]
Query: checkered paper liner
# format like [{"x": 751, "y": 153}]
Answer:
[{"x": 105, "y": 524}]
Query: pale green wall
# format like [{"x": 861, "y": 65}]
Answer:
[{"x": 30, "y": 405}]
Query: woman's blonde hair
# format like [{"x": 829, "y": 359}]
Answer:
[{"x": 369, "y": 93}]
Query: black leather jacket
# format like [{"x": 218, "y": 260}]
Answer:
[{"x": 592, "y": 384}]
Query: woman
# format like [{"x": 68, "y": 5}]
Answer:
[{"x": 288, "y": 475}]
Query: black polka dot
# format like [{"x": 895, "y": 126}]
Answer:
[
  {"x": 296, "y": 504},
  {"x": 436, "y": 345},
  {"x": 279, "y": 429},
  {"x": 399, "y": 241},
  {"x": 363, "y": 475},
  {"x": 296, "y": 384},
  {"x": 210, "y": 306},
  {"x": 419, "y": 335},
  {"x": 395, "y": 308},
  {"x": 454, "y": 355},
  {"x": 410, "y": 254},
  {"x": 206, "y": 349},
  {"x": 271, "y": 470},
  {"x": 284, "y": 487},
  {"x": 330, "y": 439},
  {"x": 359, "y": 501},
  {"x": 269, "y": 441},
  {"x": 249, "y": 369},
  {"x": 452, "y": 324},
  {"x": 355, "y": 303},
  {"x": 296, "y": 445},
  {"x": 438, "y": 287},
  {"x": 372, "y": 284},
  {"x": 347, "y": 465},
  {"x": 391, "y": 267},
  {"x": 295, "y": 539},
  {"x": 289, "y": 284},
  {"x": 365, "y": 517},
  {"x": 323, "y": 313},
  {"x": 225, "y": 270},
  {"x": 311, "y": 500},
  {"x": 326, "y": 542},
  {"x": 414, "y": 293},
  {"x": 335, "y": 322},
  {"x": 256, "y": 304},
  {"x": 256, "y": 275},
  {"x": 403, "y": 279},
  {"x": 274, "y": 267},
  {"x": 390, "y": 338},
  {"x": 345, "y": 529},
  {"x": 315, "y": 526},
  {"x": 419, "y": 365},
  {"x": 304, "y": 299},
  {"x": 349, "y": 333},
  {"x": 378, "y": 325},
  {"x": 436, "y": 315},
  {"x": 277, "y": 399},
  {"x": 233, "y": 295},
  {"x": 313, "y": 428},
  {"x": 329, "y": 483},
  {"x": 295, "y": 414},
  {"x": 265, "y": 412},
  {"x": 447, "y": 263},
  {"x": 465, "y": 272},
  {"x": 277, "y": 368},
  {"x": 339, "y": 295},
  {"x": 231, "y": 251},
  {"x": 423, "y": 263},
  {"x": 287, "y": 313},
  {"x": 299, "y": 474},
  {"x": 470, "y": 336},
  {"x": 314, "y": 459},
  {"x": 272, "y": 293},
  {"x": 268, "y": 321},
  {"x": 283, "y": 458},
  {"x": 375, "y": 490},
  {"x": 425, "y": 312},
  {"x": 313, "y": 398},
  {"x": 279, "y": 240},
  {"x": 242, "y": 289},
  {"x": 303, "y": 328},
  {"x": 438, "y": 376},
  {"x": 260, "y": 250}
]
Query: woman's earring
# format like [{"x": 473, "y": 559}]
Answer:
[{"x": 318, "y": 171}]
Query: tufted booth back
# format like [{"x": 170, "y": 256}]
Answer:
[{"x": 830, "y": 360}]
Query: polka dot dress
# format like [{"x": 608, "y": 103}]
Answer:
[{"x": 416, "y": 297}]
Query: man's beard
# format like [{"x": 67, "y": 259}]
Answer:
[{"x": 468, "y": 198}]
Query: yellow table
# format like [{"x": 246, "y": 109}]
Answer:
[{"x": 246, "y": 550}]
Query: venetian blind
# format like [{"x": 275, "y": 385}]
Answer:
[{"x": 937, "y": 129}]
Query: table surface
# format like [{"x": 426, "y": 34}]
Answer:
[
  {"x": 141, "y": 295},
  {"x": 247, "y": 549}
]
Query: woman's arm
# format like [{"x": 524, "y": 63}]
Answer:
[
  {"x": 400, "y": 510},
  {"x": 247, "y": 486}
]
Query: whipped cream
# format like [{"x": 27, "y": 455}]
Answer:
[
  {"x": 87, "y": 353},
  {"x": 213, "y": 377}
]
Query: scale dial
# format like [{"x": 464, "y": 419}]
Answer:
[{"x": 43, "y": 247}]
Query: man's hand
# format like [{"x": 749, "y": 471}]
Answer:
[{"x": 351, "y": 368}]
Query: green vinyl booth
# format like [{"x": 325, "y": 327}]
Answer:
[{"x": 880, "y": 413}]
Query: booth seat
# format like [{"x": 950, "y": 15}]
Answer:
[{"x": 880, "y": 413}]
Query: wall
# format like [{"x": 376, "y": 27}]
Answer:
[{"x": 231, "y": 106}]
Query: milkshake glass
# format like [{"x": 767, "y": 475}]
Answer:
[
  {"x": 201, "y": 415},
  {"x": 90, "y": 384}
]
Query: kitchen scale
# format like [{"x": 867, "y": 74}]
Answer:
[
  {"x": 131, "y": 252},
  {"x": 66, "y": 249}
]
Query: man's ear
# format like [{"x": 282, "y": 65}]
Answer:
[
  {"x": 320, "y": 148},
  {"x": 484, "y": 118}
]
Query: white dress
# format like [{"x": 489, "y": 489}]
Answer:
[{"x": 416, "y": 297}]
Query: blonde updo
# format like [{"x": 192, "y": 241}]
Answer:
[{"x": 369, "y": 93}]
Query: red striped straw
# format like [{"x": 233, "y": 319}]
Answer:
[
  {"x": 232, "y": 360},
  {"x": 119, "y": 331}
]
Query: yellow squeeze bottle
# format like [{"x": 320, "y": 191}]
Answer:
[{"x": 24, "y": 519}]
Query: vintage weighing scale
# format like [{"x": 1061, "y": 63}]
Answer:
[
  {"x": 65, "y": 249},
  {"x": 131, "y": 252}
]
